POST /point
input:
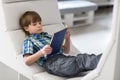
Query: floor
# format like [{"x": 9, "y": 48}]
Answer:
[{"x": 94, "y": 38}]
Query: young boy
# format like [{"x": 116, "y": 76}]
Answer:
[{"x": 36, "y": 46}]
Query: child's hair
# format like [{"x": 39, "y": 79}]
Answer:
[{"x": 27, "y": 18}]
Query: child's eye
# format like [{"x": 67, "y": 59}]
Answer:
[{"x": 34, "y": 24}]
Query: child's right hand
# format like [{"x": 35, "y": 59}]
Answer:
[{"x": 46, "y": 50}]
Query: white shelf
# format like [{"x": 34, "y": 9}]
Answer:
[
  {"x": 75, "y": 20},
  {"x": 102, "y": 2},
  {"x": 77, "y": 12},
  {"x": 80, "y": 18}
]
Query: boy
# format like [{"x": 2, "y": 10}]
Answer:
[{"x": 36, "y": 46}]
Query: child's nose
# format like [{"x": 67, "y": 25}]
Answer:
[{"x": 38, "y": 24}]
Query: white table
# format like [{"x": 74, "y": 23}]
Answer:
[{"x": 76, "y": 13}]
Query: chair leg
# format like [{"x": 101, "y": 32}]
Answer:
[{"x": 90, "y": 17}]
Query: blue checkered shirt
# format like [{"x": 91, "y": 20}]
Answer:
[{"x": 35, "y": 42}]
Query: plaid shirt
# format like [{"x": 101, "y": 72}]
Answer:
[{"x": 35, "y": 42}]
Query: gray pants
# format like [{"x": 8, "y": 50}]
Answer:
[{"x": 71, "y": 66}]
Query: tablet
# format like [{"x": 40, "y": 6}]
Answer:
[{"x": 57, "y": 41}]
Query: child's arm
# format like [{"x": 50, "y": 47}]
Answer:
[
  {"x": 67, "y": 42},
  {"x": 30, "y": 59}
]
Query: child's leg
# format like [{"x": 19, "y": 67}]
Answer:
[
  {"x": 69, "y": 66},
  {"x": 87, "y": 62},
  {"x": 62, "y": 65}
]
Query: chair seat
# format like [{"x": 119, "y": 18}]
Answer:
[{"x": 46, "y": 76}]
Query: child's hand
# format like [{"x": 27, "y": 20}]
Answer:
[
  {"x": 46, "y": 49},
  {"x": 67, "y": 35}
]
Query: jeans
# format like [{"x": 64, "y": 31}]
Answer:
[{"x": 71, "y": 66}]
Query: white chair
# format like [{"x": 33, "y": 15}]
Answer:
[{"x": 10, "y": 11}]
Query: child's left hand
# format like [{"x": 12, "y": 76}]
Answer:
[{"x": 67, "y": 35}]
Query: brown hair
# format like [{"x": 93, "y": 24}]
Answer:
[{"x": 27, "y": 18}]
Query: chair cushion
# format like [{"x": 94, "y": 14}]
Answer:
[
  {"x": 13, "y": 11},
  {"x": 51, "y": 29},
  {"x": 17, "y": 37}
]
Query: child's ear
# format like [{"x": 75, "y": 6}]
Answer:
[{"x": 26, "y": 28}]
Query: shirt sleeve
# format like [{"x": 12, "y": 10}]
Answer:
[{"x": 27, "y": 47}]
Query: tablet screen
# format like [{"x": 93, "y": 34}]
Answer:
[{"x": 57, "y": 41}]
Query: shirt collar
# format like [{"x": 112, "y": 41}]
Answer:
[{"x": 36, "y": 36}]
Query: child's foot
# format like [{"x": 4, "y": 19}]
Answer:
[{"x": 99, "y": 56}]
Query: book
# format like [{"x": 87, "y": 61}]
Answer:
[{"x": 57, "y": 41}]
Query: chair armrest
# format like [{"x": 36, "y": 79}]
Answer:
[{"x": 9, "y": 57}]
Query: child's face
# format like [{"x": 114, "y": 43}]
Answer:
[{"x": 34, "y": 28}]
